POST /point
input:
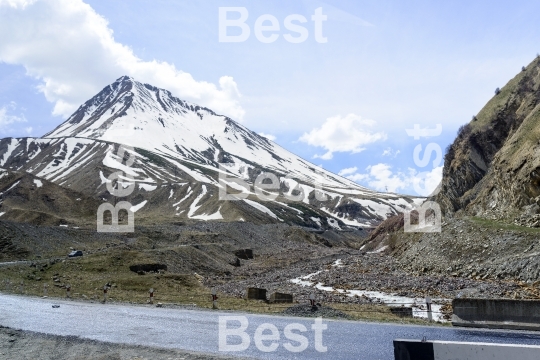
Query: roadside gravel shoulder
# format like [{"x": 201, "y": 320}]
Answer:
[{"x": 18, "y": 344}]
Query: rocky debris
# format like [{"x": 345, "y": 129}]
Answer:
[
  {"x": 315, "y": 311},
  {"x": 471, "y": 248},
  {"x": 532, "y": 221},
  {"x": 236, "y": 263},
  {"x": 199, "y": 278},
  {"x": 359, "y": 271}
]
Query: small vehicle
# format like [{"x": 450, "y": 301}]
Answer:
[{"x": 75, "y": 253}]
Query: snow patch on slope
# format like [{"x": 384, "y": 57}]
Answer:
[
  {"x": 11, "y": 146},
  {"x": 261, "y": 208},
  {"x": 194, "y": 207},
  {"x": 148, "y": 187},
  {"x": 139, "y": 206}
]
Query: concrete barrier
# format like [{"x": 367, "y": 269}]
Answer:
[
  {"x": 450, "y": 350},
  {"x": 497, "y": 313}
]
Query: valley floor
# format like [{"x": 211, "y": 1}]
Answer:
[{"x": 348, "y": 282}]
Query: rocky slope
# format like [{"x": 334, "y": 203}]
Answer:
[
  {"x": 468, "y": 247},
  {"x": 493, "y": 167},
  {"x": 490, "y": 196}
]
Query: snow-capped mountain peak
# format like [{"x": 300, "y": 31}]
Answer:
[
  {"x": 180, "y": 148},
  {"x": 144, "y": 116}
]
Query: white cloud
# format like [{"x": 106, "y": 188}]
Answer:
[
  {"x": 17, "y": 3},
  {"x": 268, "y": 136},
  {"x": 381, "y": 177},
  {"x": 28, "y": 130},
  {"x": 7, "y": 119},
  {"x": 426, "y": 182},
  {"x": 390, "y": 152},
  {"x": 348, "y": 171},
  {"x": 342, "y": 134},
  {"x": 71, "y": 49}
]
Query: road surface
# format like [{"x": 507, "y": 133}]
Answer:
[{"x": 197, "y": 330}]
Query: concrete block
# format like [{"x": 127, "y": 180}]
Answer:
[
  {"x": 256, "y": 294},
  {"x": 281, "y": 298},
  {"x": 402, "y": 311}
]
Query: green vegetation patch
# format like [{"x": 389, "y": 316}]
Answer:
[{"x": 494, "y": 224}]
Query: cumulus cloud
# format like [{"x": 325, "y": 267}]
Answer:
[
  {"x": 342, "y": 134},
  {"x": 268, "y": 136},
  {"x": 71, "y": 49},
  {"x": 382, "y": 177},
  {"x": 7, "y": 118}
]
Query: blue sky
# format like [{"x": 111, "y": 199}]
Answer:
[{"x": 343, "y": 104}]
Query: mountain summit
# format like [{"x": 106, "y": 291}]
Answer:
[
  {"x": 143, "y": 116},
  {"x": 180, "y": 150}
]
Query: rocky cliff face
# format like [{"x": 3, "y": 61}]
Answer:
[
  {"x": 493, "y": 167},
  {"x": 491, "y": 183}
]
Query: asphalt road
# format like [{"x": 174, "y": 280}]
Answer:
[{"x": 197, "y": 330}]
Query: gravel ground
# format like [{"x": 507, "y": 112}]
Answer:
[
  {"x": 317, "y": 311},
  {"x": 358, "y": 271},
  {"x": 17, "y": 344}
]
